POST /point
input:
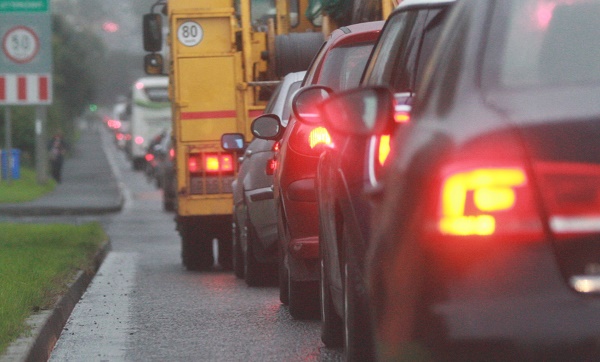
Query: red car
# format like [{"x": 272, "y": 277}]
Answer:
[{"x": 338, "y": 65}]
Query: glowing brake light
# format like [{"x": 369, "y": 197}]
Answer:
[
  {"x": 149, "y": 157},
  {"x": 402, "y": 114},
  {"x": 210, "y": 163},
  {"x": 470, "y": 198},
  {"x": 318, "y": 136},
  {"x": 139, "y": 140},
  {"x": 384, "y": 148}
]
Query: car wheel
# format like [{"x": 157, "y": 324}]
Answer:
[
  {"x": 253, "y": 269},
  {"x": 238, "y": 255},
  {"x": 331, "y": 323},
  {"x": 284, "y": 295},
  {"x": 358, "y": 343},
  {"x": 303, "y": 299}
]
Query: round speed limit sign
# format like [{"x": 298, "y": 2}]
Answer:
[
  {"x": 20, "y": 44},
  {"x": 190, "y": 33}
]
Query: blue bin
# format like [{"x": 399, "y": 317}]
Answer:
[{"x": 14, "y": 164}]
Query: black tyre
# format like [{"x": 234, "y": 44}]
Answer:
[
  {"x": 304, "y": 299},
  {"x": 331, "y": 323},
  {"x": 253, "y": 269},
  {"x": 196, "y": 243},
  {"x": 225, "y": 246},
  {"x": 295, "y": 51},
  {"x": 284, "y": 294},
  {"x": 358, "y": 340},
  {"x": 238, "y": 255}
]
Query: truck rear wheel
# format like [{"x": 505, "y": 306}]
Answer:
[
  {"x": 294, "y": 52},
  {"x": 196, "y": 244}
]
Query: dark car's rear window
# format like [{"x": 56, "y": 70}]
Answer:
[
  {"x": 547, "y": 43},
  {"x": 344, "y": 65}
]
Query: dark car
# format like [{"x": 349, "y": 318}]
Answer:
[
  {"x": 164, "y": 172},
  {"x": 338, "y": 65},
  {"x": 486, "y": 241},
  {"x": 398, "y": 61},
  {"x": 254, "y": 217}
]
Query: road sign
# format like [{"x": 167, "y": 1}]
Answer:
[
  {"x": 20, "y": 44},
  {"x": 26, "y": 55},
  {"x": 24, "y": 5}
]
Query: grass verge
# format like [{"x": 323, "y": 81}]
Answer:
[
  {"x": 25, "y": 188},
  {"x": 37, "y": 261}
]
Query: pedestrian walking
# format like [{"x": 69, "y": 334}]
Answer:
[{"x": 57, "y": 148}]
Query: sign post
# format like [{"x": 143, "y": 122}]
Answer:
[{"x": 26, "y": 68}]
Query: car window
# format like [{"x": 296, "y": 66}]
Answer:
[
  {"x": 431, "y": 34},
  {"x": 287, "y": 108},
  {"x": 344, "y": 65},
  {"x": 549, "y": 43},
  {"x": 273, "y": 99},
  {"x": 312, "y": 69},
  {"x": 396, "y": 48}
]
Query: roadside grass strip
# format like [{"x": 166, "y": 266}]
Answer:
[
  {"x": 25, "y": 188},
  {"x": 37, "y": 262}
]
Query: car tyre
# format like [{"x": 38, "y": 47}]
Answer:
[
  {"x": 331, "y": 323},
  {"x": 253, "y": 269},
  {"x": 303, "y": 299},
  {"x": 358, "y": 341},
  {"x": 238, "y": 255}
]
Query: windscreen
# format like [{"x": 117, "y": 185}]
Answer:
[{"x": 549, "y": 43}]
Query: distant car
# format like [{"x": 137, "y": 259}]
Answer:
[
  {"x": 164, "y": 172},
  {"x": 485, "y": 242},
  {"x": 338, "y": 65},
  {"x": 398, "y": 61},
  {"x": 154, "y": 152},
  {"x": 254, "y": 218}
]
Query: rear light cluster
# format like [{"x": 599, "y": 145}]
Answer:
[
  {"x": 272, "y": 162},
  {"x": 486, "y": 191},
  {"x": 211, "y": 173},
  {"x": 571, "y": 196},
  {"x": 488, "y": 201},
  {"x": 308, "y": 139},
  {"x": 210, "y": 163}
]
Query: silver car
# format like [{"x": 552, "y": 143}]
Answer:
[{"x": 254, "y": 217}]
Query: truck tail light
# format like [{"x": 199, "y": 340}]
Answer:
[
  {"x": 211, "y": 163},
  {"x": 571, "y": 196}
]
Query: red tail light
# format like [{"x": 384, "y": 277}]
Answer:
[
  {"x": 571, "y": 196},
  {"x": 384, "y": 148},
  {"x": 149, "y": 157},
  {"x": 194, "y": 163},
  {"x": 139, "y": 140},
  {"x": 271, "y": 166},
  {"x": 487, "y": 201},
  {"x": 306, "y": 139},
  {"x": 318, "y": 136},
  {"x": 402, "y": 113},
  {"x": 172, "y": 153}
]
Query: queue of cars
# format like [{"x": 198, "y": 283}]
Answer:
[{"x": 458, "y": 198}]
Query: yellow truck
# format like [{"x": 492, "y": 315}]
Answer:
[{"x": 223, "y": 57}]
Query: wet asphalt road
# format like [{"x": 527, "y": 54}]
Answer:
[{"x": 144, "y": 306}]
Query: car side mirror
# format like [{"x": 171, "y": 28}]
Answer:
[
  {"x": 306, "y": 100},
  {"x": 152, "y": 32},
  {"x": 153, "y": 64},
  {"x": 233, "y": 142},
  {"x": 267, "y": 127},
  {"x": 360, "y": 111}
]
